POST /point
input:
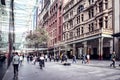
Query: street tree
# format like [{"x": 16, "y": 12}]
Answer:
[{"x": 37, "y": 38}]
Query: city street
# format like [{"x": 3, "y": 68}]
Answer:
[{"x": 96, "y": 70}]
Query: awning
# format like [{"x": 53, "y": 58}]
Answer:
[{"x": 116, "y": 35}]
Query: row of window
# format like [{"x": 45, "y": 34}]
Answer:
[
  {"x": 91, "y": 28},
  {"x": 53, "y": 9},
  {"x": 90, "y": 12}
]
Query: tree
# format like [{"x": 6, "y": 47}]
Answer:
[{"x": 37, "y": 38}]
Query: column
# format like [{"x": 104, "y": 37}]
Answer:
[
  {"x": 101, "y": 48},
  {"x": 74, "y": 49},
  {"x": 59, "y": 50},
  {"x": 85, "y": 47},
  {"x": 47, "y": 52}
]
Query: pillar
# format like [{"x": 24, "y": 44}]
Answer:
[
  {"x": 101, "y": 48},
  {"x": 74, "y": 49},
  {"x": 85, "y": 47}
]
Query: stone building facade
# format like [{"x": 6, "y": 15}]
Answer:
[{"x": 87, "y": 28}]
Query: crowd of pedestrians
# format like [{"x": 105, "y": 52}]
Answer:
[{"x": 42, "y": 58}]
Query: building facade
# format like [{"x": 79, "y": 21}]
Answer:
[
  {"x": 50, "y": 18},
  {"x": 116, "y": 24},
  {"x": 54, "y": 28},
  {"x": 87, "y": 28}
]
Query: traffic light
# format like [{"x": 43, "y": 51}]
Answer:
[{"x": 3, "y": 2}]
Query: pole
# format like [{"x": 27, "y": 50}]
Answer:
[{"x": 11, "y": 32}]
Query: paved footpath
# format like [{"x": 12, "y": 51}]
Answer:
[
  {"x": 96, "y": 70},
  {"x": 3, "y": 68}
]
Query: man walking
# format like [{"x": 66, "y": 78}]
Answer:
[
  {"x": 113, "y": 56},
  {"x": 16, "y": 61}
]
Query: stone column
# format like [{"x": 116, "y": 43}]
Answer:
[
  {"x": 85, "y": 47},
  {"x": 59, "y": 50},
  {"x": 101, "y": 48},
  {"x": 74, "y": 49},
  {"x": 47, "y": 52}
]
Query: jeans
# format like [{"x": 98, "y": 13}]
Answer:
[{"x": 15, "y": 66}]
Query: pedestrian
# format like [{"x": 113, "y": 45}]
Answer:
[
  {"x": 42, "y": 61},
  {"x": 21, "y": 59},
  {"x": 50, "y": 58},
  {"x": 28, "y": 58},
  {"x": 83, "y": 58},
  {"x": 113, "y": 56},
  {"x": 34, "y": 60},
  {"x": 74, "y": 59},
  {"x": 16, "y": 60},
  {"x": 46, "y": 57},
  {"x": 88, "y": 58}
]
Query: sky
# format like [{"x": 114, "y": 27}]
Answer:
[{"x": 23, "y": 15}]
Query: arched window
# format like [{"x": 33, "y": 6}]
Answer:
[{"x": 80, "y": 8}]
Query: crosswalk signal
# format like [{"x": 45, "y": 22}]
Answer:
[{"x": 3, "y": 2}]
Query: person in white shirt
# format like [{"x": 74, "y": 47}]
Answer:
[
  {"x": 16, "y": 61},
  {"x": 21, "y": 59},
  {"x": 41, "y": 61}
]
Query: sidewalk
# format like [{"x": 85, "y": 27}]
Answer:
[
  {"x": 29, "y": 71},
  {"x": 98, "y": 63},
  {"x": 3, "y": 69}
]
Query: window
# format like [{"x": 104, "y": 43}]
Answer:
[
  {"x": 71, "y": 13},
  {"x": 90, "y": 1},
  {"x": 67, "y": 25},
  {"x": 106, "y": 22},
  {"x": 78, "y": 31},
  {"x": 71, "y": 23},
  {"x": 80, "y": 8},
  {"x": 106, "y": 4},
  {"x": 56, "y": 5},
  {"x": 55, "y": 40},
  {"x": 82, "y": 17},
  {"x": 101, "y": 22},
  {"x": 66, "y": 16},
  {"x": 66, "y": 35},
  {"x": 64, "y": 27},
  {"x": 78, "y": 19},
  {"x": 3, "y": 2},
  {"x": 71, "y": 34},
  {"x": 91, "y": 27},
  {"x": 91, "y": 13},
  {"x": 100, "y": 6},
  {"x": 82, "y": 30},
  {"x": 63, "y": 36}
]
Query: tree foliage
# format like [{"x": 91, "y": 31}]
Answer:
[{"x": 37, "y": 37}]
